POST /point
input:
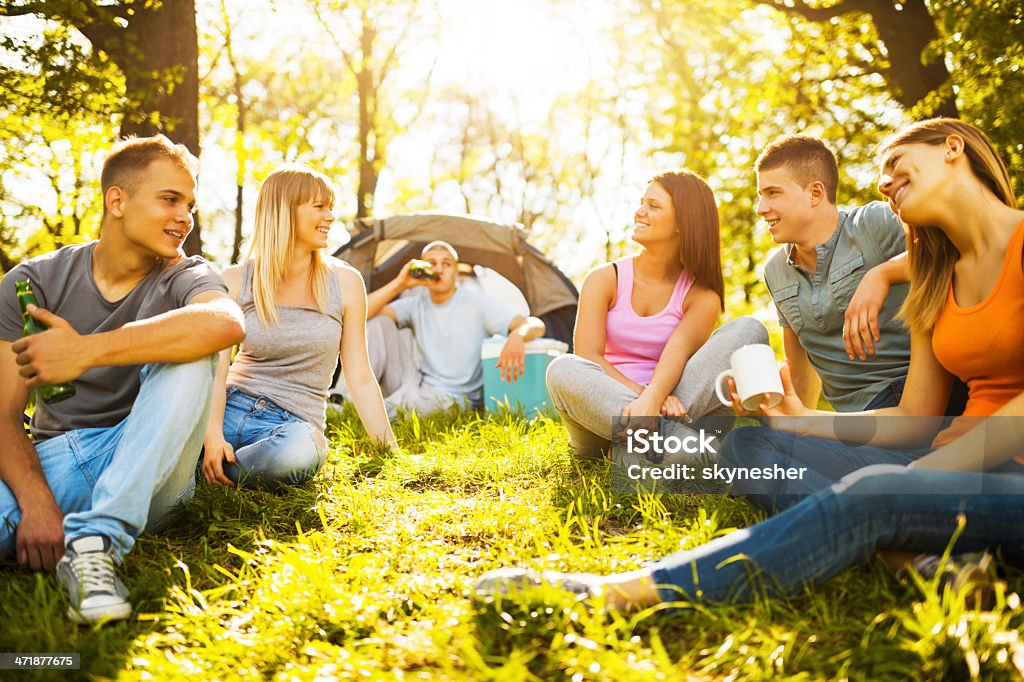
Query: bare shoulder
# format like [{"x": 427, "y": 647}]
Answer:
[
  {"x": 601, "y": 278},
  {"x": 232, "y": 277},
  {"x": 232, "y": 274},
  {"x": 339, "y": 266},
  {"x": 700, "y": 296},
  {"x": 349, "y": 278}
]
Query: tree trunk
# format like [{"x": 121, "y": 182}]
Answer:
[
  {"x": 143, "y": 39},
  {"x": 162, "y": 39},
  {"x": 906, "y": 34},
  {"x": 367, "y": 160},
  {"x": 240, "y": 158}
]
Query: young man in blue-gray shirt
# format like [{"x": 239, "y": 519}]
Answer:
[
  {"x": 838, "y": 280},
  {"x": 450, "y": 325}
]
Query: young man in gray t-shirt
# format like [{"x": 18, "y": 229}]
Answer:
[{"x": 136, "y": 326}]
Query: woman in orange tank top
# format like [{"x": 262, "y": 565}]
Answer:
[{"x": 966, "y": 314}]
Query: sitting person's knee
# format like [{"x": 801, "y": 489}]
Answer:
[
  {"x": 749, "y": 329},
  {"x": 561, "y": 373},
  {"x": 197, "y": 374},
  {"x": 291, "y": 455},
  {"x": 740, "y": 441},
  {"x": 302, "y": 454},
  {"x": 749, "y": 445}
]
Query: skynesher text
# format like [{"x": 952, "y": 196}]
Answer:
[{"x": 689, "y": 472}]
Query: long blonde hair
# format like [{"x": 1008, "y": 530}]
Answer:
[
  {"x": 931, "y": 256},
  {"x": 273, "y": 236}
]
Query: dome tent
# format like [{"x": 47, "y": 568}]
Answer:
[{"x": 384, "y": 245}]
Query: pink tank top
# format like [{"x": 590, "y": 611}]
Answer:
[{"x": 633, "y": 344}]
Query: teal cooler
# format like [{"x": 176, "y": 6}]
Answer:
[{"x": 530, "y": 392}]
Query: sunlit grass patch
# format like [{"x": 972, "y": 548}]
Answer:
[{"x": 366, "y": 572}]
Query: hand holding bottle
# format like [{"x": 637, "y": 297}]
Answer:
[
  {"x": 33, "y": 324},
  {"x": 52, "y": 356}
]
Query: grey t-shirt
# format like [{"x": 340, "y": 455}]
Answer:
[
  {"x": 813, "y": 305},
  {"x": 64, "y": 285},
  {"x": 450, "y": 336},
  {"x": 291, "y": 363}
]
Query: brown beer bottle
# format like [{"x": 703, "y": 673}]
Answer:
[{"x": 51, "y": 393}]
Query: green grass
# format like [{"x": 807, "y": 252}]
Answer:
[{"x": 365, "y": 573}]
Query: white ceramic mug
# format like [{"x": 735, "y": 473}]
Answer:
[{"x": 756, "y": 373}]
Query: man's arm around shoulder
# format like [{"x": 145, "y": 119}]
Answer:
[{"x": 883, "y": 230}]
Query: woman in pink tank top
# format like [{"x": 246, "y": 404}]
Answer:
[{"x": 644, "y": 321}]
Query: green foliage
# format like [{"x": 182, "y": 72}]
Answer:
[
  {"x": 50, "y": 156},
  {"x": 731, "y": 78},
  {"x": 982, "y": 40},
  {"x": 366, "y": 572},
  {"x": 55, "y": 73}
]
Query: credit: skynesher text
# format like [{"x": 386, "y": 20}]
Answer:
[{"x": 688, "y": 472}]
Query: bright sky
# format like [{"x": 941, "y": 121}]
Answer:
[
  {"x": 528, "y": 51},
  {"x": 521, "y": 55}
]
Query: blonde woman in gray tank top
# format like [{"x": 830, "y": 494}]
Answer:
[{"x": 302, "y": 310}]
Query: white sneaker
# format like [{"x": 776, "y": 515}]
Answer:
[
  {"x": 507, "y": 581},
  {"x": 86, "y": 572}
]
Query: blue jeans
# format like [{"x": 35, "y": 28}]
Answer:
[
  {"x": 120, "y": 480},
  {"x": 876, "y": 508},
  {"x": 890, "y": 397},
  {"x": 273, "y": 447},
  {"x": 826, "y": 461}
]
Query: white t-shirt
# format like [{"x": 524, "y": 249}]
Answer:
[{"x": 449, "y": 337}]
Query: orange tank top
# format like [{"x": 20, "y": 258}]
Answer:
[{"x": 984, "y": 344}]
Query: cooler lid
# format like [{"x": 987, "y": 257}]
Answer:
[{"x": 491, "y": 347}]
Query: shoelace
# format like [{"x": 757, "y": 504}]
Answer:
[{"x": 95, "y": 571}]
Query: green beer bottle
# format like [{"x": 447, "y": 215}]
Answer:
[
  {"x": 51, "y": 393},
  {"x": 420, "y": 269}
]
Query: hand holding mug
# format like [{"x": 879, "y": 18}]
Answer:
[
  {"x": 754, "y": 378},
  {"x": 780, "y": 416}
]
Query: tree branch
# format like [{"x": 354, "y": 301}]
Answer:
[
  {"x": 41, "y": 8},
  {"x": 346, "y": 56},
  {"x": 818, "y": 14}
]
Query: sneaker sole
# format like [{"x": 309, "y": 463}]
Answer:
[{"x": 99, "y": 615}]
